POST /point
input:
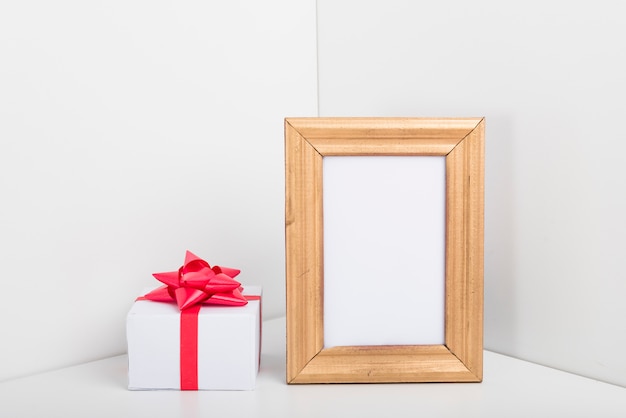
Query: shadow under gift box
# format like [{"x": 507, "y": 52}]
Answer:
[{"x": 229, "y": 344}]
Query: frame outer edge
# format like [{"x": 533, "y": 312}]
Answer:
[
  {"x": 303, "y": 245},
  {"x": 464, "y": 241},
  {"x": 464, "y": 251},
  {"x": 476, "y": 167}
]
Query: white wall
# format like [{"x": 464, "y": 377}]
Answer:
[
  {"x": 549, "y": 77},
  {"x": 131, "y": 131}
]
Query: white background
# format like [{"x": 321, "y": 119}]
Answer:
[
  {"x": 549, "y": 78},
  {"x": 131, "y": 131},
  {"x": 384, "y": 250}
]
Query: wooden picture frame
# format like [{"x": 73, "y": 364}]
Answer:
[{"x": 461, "y": 142}]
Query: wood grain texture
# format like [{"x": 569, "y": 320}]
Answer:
[
  {"x": 383, "y": 136},
  {"x": 385, "y": 364},
  {"x": 464, "y": 250},
  {"x": 307, "y": 141},
  {"x": 304, "y": 241}
]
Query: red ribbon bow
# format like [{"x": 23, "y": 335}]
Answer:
[{"x": 197, "y": 282}]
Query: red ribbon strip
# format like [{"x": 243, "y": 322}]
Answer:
[{"x": 189, "y": 346}]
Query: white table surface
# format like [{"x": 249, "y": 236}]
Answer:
[{"x": 511, "y": 388}]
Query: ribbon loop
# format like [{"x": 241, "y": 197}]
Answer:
[{"x": 197, "y": 282}]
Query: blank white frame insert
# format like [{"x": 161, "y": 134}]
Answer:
[{"x": 384, "y": 250}]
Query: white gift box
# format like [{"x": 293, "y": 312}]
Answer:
[{"x": 229, "y": 343}]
